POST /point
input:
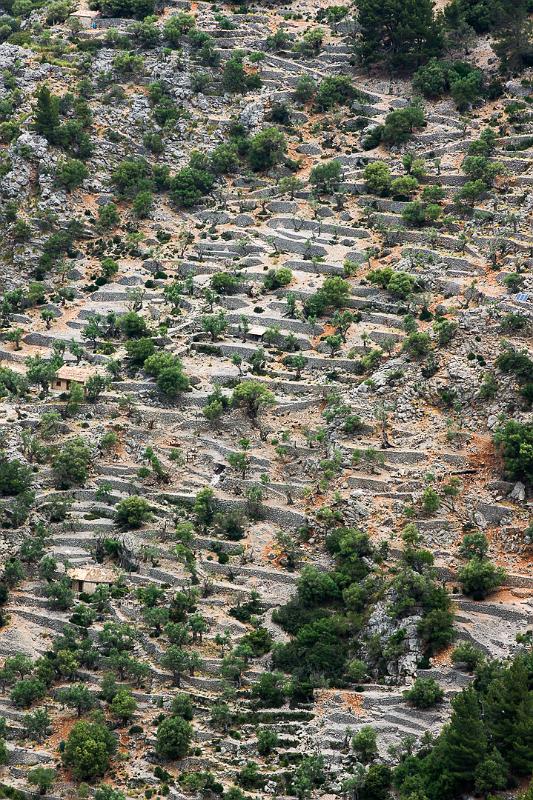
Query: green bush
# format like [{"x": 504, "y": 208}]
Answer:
[
  {"x": 364, "y": 743},
  {"x": 325, "y": 178},
  {"x": 71, "y": 464},
  {"x": 467, "y": 654},
  {"x": 133, "y": 326},
  {"x": 269, "y": 691},
  {"x": 399, "y": 284},
  {"x": 378, "y": 178},
  {"x": 235, "y": 78},
  {"x": 172, "y": 381},
  {"x": 400, "y": 125},
  {"x": 515, "y": 440},
  {"x": 132, "y": 512},
  {"x": 225, "y": 283},
  {"x": 189, "y": 185},
  {"x": 127, "y": 8},
  {"x": 474, "y": 545},
  {"x": 402, "y": 188},
  {"x": 464, "y": 82},
  {"x": 479, "y": 577},
  {"x": 277, "y": 278},
  {"x": 266, "y": 149},
  {"x": 305, "y": 88},
  {"x": 15, "y": 477},
  {"x": 267, "y": 741},
  {"x": 159, "y": 361},
  {"x": 425, "y": 693},
  {"x": 140, "y": 350},
  {"x": 417, "y": 344},
  {"x": 332, "y": 91},
  {"x": 418, "y": 213},
  {"x": 71, "y": 173}
]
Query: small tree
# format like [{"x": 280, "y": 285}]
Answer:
[
  {"x": 15, "y": 477},
  {"x": 240, "y": 463},
  {"x": 19, "y": 664},
  {"x": 140, "y": 350},
  {"x": 378, "y": 178},
  {"x": 43, "y": 778},
  {"x": 269, "y": 690},
  {"x": 75, "y": 398},
  {"x": 15, "y": 335},
  {"x": 47, "y": 113},
  {"x": 25, "y": 692},
  {"x": 334, "y": 342},
  {"x": 417, "y": 344},
  {"x": 515, "y": 440},
  {"x": 108, "y": 216},
  {"x": 88, "y": 750},
  {"x": 4, "y": 753},
  {"x": 133, "y": 326},
  {"x": 266, "y": 149},
  {"x": 214, "y": 324},
  {"x": 78, "y": 697},
  {"x": 94, "y": 387},
  {"x": 143, "y": 204},
  {"x": 252, "y": 396},
  {"x": 297, "y": 363},
  {"x": 176, "y": 660},
  {"x": 71, "y": 464},
  {"x": 235, "y": 78},
  {"x": 474, "y": 545},
  {"x": 37, "y": 724},
  {"x": 182, "y": 707},
  {"x": 325, "y": 178},
  {"x": 40, "y": 372},
  {"x": 174, "y": 735},
  {"x": 105, "y": 792},
  {"x": 364, "y": 743},
  {"x": 400, "y": 124},
  {"x": 124, "y": 705},
  {"x": 204, "y": 506},
  {"x": 267, "y": 741},
  {"x": 172, "y": 381},
  {"x": 401, "y": 34},
  {"x": 60, "y": 593}
]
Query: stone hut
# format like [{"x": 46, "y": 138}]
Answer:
[
  {"x": 86, "y": 579},
  {"x": 67, "y": 375},
  {"x": 85, "y": 17},
  {"x": 256, "y": 333}
]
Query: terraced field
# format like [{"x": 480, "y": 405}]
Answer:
[{"x": 265, "y": 363}]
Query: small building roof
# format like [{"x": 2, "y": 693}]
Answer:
[
  {"x": 92, "y": 574},
  {"x": 85, "y": 12},
  {"x": 69, "y": 372},
  {"x": 256, "y": 330}
]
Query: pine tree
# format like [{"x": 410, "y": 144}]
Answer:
[
  {"x": 491, "y": 773},
  {"x": 47, "y": 113},
  {"x": 509, "y": 716},
  {"x": 460, "y": 749},
  {"x": 514, "y": 40},
  {"x": 404, "y": 33}
]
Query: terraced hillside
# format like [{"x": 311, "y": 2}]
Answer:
[{"x": 265, "y": 387}]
